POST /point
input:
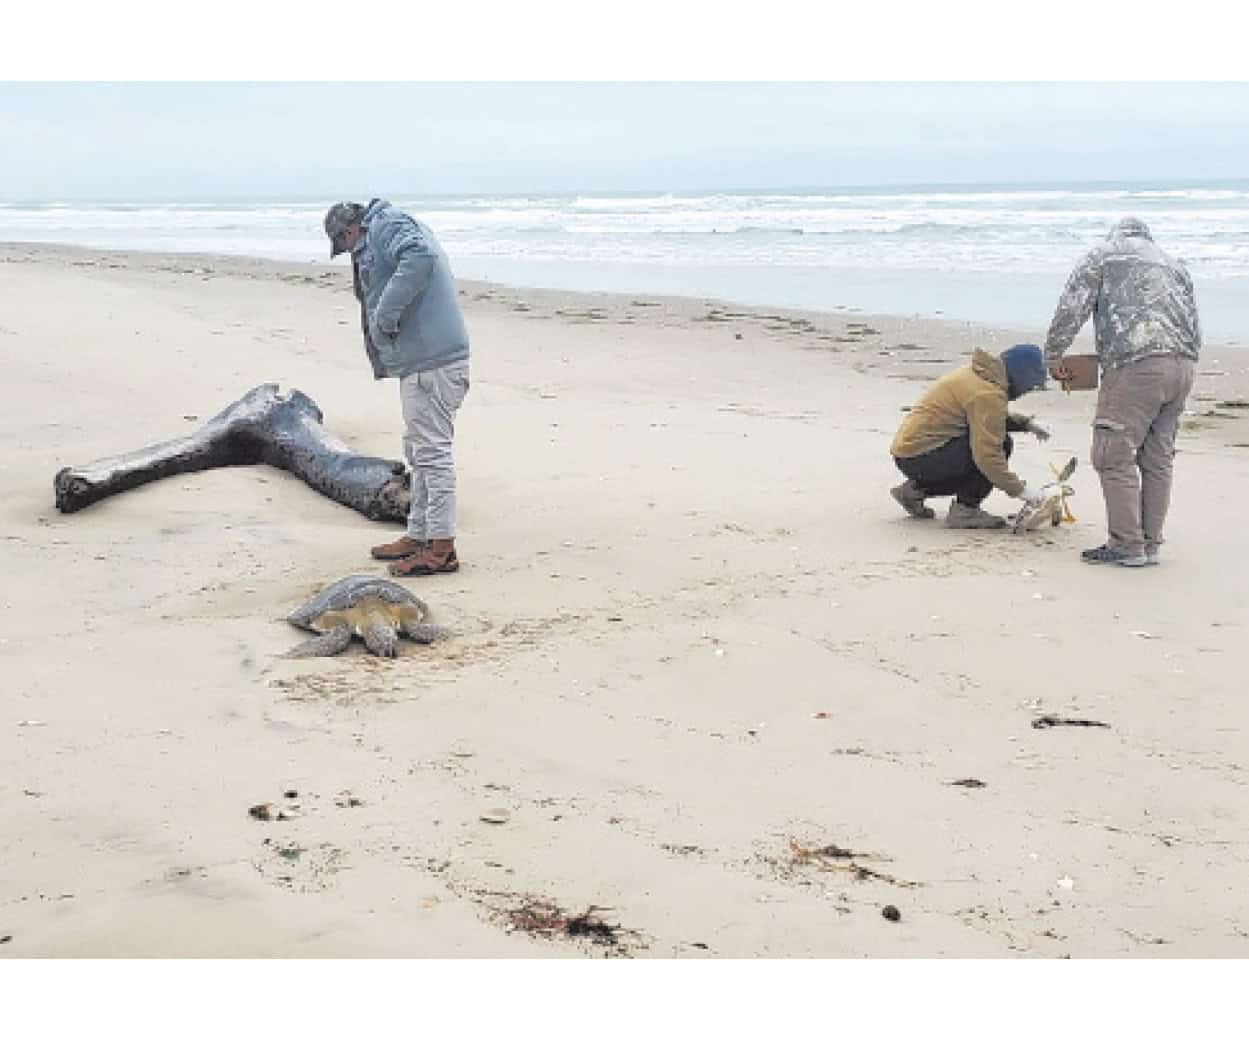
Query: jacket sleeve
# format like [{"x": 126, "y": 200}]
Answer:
[
  {"x": 414, "y": 264},
  {"x": 1191, "y": 300},
  {"x": 986, "y": 423},
  {"x": 1074, "y": 306}
]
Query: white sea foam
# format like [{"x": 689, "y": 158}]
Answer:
[{"x": 951, "y": 236}]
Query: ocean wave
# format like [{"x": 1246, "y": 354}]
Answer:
[{"x": 1038, "y": 229}]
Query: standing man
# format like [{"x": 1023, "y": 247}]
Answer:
[
  {"x": 955, "y": 440},
  {"x": 413, "y": 331},
  {"x": 1148, "y": 339}
]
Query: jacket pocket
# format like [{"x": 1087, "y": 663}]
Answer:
[
  {"x": 388, "y": 353},
  {"x": 457, "y": 382}
]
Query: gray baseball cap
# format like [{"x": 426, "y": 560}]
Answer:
[{"x": 338, "y": 219}]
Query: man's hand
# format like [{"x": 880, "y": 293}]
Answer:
[
  {"x": 1038, "y": 431},
  {"x": 1062, "y": 373}
]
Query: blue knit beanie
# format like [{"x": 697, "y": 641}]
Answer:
[{"x": 1025, "y": 369}]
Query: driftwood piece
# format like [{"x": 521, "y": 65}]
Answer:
[{"x": 261, "y": 426}]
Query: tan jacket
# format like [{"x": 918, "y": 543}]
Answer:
[{"x": 971, "y": 398}]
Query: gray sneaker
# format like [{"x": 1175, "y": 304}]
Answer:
[
  {"x": 971, "y": 518},
  {"x": 1107, "y": 554},
  {"x": 911, "y": 498}
]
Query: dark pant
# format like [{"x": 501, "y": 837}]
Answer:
[{"x": 951, "y": 470}]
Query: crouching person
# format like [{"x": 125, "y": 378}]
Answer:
[{"x": 955, "y": 441}]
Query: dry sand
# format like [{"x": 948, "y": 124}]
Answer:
[{"x": 698, "y": 644}]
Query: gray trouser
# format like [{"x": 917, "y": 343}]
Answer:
[
  {"x": 430, "y": 401},
  {"x": 1138, "y": 414}
]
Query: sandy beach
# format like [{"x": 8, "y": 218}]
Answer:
[{"x": 733, "y": 702}]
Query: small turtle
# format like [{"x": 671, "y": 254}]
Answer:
[{"x": 377, "y": 611}]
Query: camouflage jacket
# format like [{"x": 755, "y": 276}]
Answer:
[{"x": 1141, "y": 300}]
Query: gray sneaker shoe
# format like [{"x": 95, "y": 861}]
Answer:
[
  {"x": 1107, "y": 554},
  {"x": 910, "y": 498},
  {"x": 970, "y": 518}
]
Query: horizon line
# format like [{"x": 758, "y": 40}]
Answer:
[{"x": 794, "y": 189}]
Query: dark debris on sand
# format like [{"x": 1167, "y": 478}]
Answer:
[
  {"x": 1048, "y": 721},
  {"x": 834, "y": 857},
  {"x": 548, "y": 920}
]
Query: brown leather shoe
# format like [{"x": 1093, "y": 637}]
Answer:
[
  {"x": 438, "y": 557},
  {"x": 399, "y": 549}
]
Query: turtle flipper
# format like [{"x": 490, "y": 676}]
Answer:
[
  {"x": 328, "y": 644},
  {"x": 423, "y": 632},
  {"x": 380, "y": 638}
]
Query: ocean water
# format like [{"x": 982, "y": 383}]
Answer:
[{"x": 987, "y": 254}]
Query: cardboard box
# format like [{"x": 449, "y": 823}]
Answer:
[{"x": 1084, "y": 371}]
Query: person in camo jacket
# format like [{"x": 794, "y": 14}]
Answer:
[{"x": 1148, "y": 339}]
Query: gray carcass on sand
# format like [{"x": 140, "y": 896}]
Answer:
[{"x": 262, "y": 426}]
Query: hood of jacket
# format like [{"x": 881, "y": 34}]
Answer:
[
  {"x": 1130, "y": 227},
  {"x": 989, "y": 368},
  {"x": 374, "y": 207}
]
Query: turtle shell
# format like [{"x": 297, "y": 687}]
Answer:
[{"x": 346, "y": 593}]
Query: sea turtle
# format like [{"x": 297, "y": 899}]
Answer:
[
  {"x": 376, "y": 610},
  {"x": 1053, "y": 507}
]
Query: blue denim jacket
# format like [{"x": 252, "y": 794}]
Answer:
[{"x": 411, "y": 313}]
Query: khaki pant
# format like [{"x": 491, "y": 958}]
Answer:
[
  {"x": 1138, "y": 414},
  {"x": 430, "y": 401}
]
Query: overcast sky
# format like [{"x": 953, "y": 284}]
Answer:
[{"x": 180, "y": 140}]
